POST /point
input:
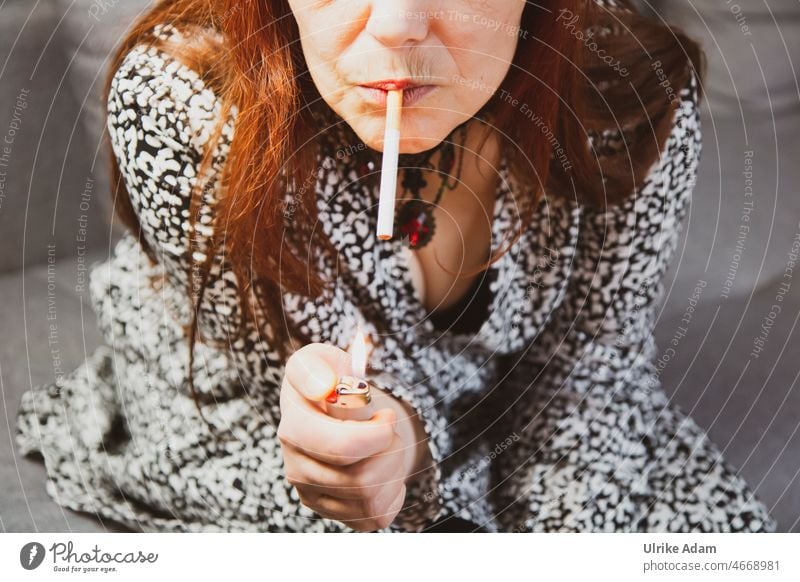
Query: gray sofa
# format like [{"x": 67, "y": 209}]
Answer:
[
  {"x": 57, "y": 187},
  {"x": 746, "y": 400},
  {"x": 55, "y": 217}
]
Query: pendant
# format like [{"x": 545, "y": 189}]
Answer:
[{"x": 415, "y": 221}]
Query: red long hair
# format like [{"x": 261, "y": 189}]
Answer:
[{"x": 257, "y": 64}]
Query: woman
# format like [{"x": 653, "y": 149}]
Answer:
[{"x": 548, "y": 154}]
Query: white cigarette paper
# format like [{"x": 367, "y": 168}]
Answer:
[{"x": 391, "y": 151}]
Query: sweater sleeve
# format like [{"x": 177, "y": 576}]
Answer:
[
  {"x": 170, "y": 473},
  {"x": 623, "y": 254},
  {"x": 160, "y": 119},
  {"x": 591, "y": 373},
  {"x": 424, "y": 493},
  {"x": 446, "y": 394}
]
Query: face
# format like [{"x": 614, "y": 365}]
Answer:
[{"x": 452, "y": 55}]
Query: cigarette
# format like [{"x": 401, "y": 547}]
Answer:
[
  {"x": 351, "y": 399},
  {"x": 391, "y": 151}
]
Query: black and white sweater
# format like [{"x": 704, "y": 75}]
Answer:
[{"x": 550, "y": 418}]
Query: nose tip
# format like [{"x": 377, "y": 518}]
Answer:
[{"x": 394, "y": 25}]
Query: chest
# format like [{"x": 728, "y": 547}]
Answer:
[
  {"x": 393, "y": 290},
  {"x": 446, "y": 268}
]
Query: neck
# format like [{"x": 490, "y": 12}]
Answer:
[{"x": 480, "y": 164}]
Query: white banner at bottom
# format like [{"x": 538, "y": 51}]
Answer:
[{"x": 389, "y": 557}]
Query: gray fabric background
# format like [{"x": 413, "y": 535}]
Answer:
[{"x": 58, "y": 51}]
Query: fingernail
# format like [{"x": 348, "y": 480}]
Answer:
[{"x": 322, "y": 383}]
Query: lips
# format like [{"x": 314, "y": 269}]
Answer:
[
  {"x": 392, "y": 84},
  {"x": 412, "y": 92}
]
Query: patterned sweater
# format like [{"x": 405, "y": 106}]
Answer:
[{"x": 550, "y": 417}]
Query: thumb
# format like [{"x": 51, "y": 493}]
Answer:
[{"x": 314, "y": 369}]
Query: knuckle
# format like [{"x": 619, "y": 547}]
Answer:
[
  {"x": 294, "y": 480},
  {"x": 344, "y": 447},
  {"x": 373, "y": 507},
  {"x": 284, "y": 433},
  {"x": 363, "y": 478},
  {"x": 382, "y": 501},
  {"x": 281, "y": 429},
  {"x": 304, "y": 498},
  {"x": 282, "y": 436}
]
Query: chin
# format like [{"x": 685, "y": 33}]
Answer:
[
  {"x": 412, "y": 139},
  {"x": 416, "y": 144}
]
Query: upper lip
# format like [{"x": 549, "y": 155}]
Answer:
[{"x": 392, "y": 84}]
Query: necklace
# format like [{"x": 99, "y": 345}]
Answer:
[{"x": 414, "y": 220}]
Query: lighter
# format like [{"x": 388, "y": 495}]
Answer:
[{"x": 351, "y": 399}]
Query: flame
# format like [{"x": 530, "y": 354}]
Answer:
[{"x": 359, "y": 350}]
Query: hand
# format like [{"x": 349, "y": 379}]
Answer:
[{"x": 351, "y": 471}]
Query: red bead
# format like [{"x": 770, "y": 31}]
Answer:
[
  {"x": 414, "y": 228},
  {"x": 415, "y": 223}
]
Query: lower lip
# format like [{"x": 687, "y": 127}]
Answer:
[{"x": 410, "y": 96}]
